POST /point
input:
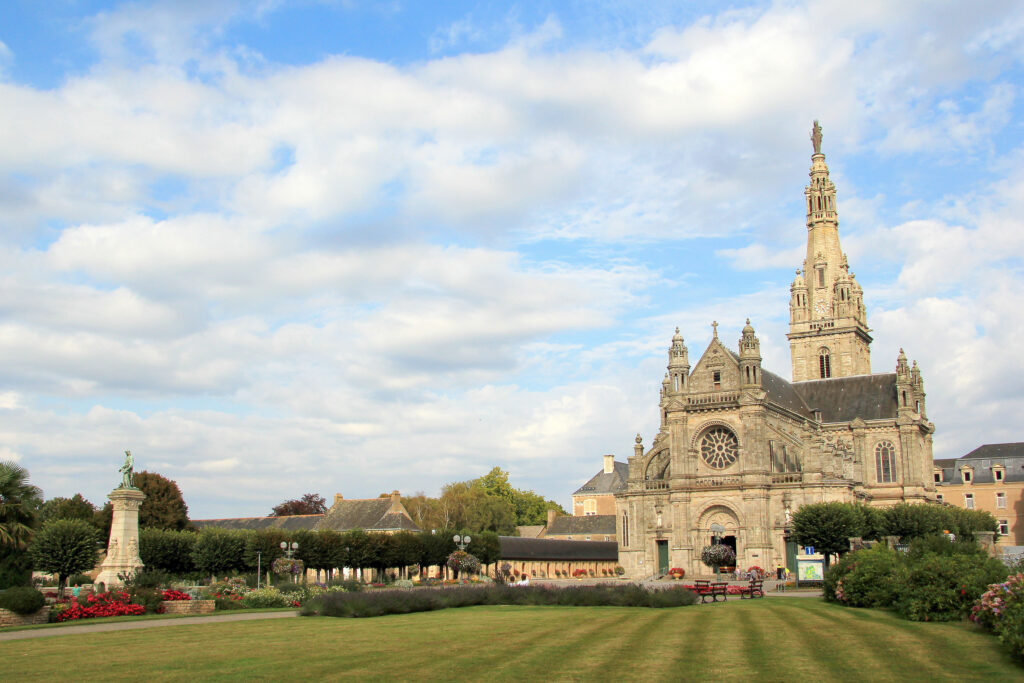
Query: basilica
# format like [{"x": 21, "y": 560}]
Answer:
[{"x": 740, "y": 448}]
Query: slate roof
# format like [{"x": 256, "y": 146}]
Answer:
[
  {"x": 515, "y": 548},
  {"x": 784, "y": 393},
  {"x": 610, "y": 482},
  {"x": 982, "y": 460},
  {"x": 288, "y": 523},
  {"x": 595, "y": 525},
  {"x": 371, "y": 514},
  {"x": 841, "y": 399}
]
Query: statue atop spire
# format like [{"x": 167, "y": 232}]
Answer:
[{"x": 816, "y": 137}]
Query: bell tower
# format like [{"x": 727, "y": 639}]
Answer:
[{"x": 828, "y": 330}]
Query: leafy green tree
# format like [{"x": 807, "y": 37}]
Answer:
[
  {"x": 164, "y": 507},
  {"x": 168, "y": 551},
  {"x": 408, "y": 549},
  {"x": 487, "y": 547},
  {"x": 360, "y": 553},
  {"x": 15, "y": 568},
  {"x": 436, "y": 548},
  {"x": 219, "y": 551},
  {"x": 826, "y": 526},
  {"x": 75, "y": 507},
  {"x": 19, "y": 502},
  {"x": 64, "y": 547},
  {"x": 267, "y": 542}
]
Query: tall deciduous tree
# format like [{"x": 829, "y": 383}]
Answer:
[
  {"x": 19, "y": 502},
  {"x": 64, "y": 547},
  {"x": 164, "y": 507},
  {"x": 309, "y": 504},
  {"x": 75, "y": 507}
]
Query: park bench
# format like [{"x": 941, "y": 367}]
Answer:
[
  {"x": 706, "y": 589},
  {"x": 754, "y": 590}
]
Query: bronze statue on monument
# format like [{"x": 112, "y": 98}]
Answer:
[{"x": 127, "y": 471}]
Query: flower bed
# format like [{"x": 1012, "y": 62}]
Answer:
[
  {"x": 110, "y": 604},
  {"x": 171, "y": 594}
]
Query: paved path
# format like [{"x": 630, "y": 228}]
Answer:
[{"x": 134, "y": 625}]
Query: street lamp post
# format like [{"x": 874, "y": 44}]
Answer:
[
  {"x": 289, "y": 550},
  {"x": 461, "y": 541}
]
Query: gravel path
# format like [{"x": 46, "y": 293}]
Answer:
[{"x": 133, "y": 625}]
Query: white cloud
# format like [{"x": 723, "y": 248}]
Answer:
[{"x": 359, "y": 275}]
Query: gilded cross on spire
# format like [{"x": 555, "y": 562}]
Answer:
[{"x": 816, "y": 137}]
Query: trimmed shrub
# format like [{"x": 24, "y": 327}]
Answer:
[
  {"x": 427, "y": 599},
  {"x": 22, "y": 600},
  {"x": 266, "y": 597}
]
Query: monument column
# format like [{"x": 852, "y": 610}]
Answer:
[{"x": 123, "y": 550}]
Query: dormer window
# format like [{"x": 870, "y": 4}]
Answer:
[
  {"x": 938, "y": 476},
  {"x": 998, "y": 473},
  {"x": 968, "y": 475}
]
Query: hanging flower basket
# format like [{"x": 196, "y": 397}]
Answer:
[
  {"x": 463, "y": 562},
  {"x": 285, "y": 565}
]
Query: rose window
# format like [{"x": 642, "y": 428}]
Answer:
[{"x": 719, "y": 448}]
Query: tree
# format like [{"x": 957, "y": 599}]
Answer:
[
  {"x": 75, "y": 507},
  {"x": 826, "y": 526},
  {"x": 64, "y": 547},
  {"x": 19, "y": 501},
  {"x": 164, "y": 507},
  {"x": 309, "y": 504},
  {"x": 169, "y": 551},
  {"x": 218, "y": 551}
]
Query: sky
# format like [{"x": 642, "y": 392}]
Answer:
[{"x": 350, "y": 247}]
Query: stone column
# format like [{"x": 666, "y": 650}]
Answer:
[{"x": 123, "y": 550}]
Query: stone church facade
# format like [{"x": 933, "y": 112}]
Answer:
[{"x": 740, "y": 448}]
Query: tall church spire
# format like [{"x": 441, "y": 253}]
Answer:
[{"x": 828, "y": 332}]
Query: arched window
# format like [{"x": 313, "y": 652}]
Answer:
[
  {"x": 824, "y": 363},
  {"x": 885, "y": 462}
]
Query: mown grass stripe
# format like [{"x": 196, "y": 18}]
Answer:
[
  {"x": 615, "y": 661},
  {"x": 558, "y": 656},
  {"x": 666, "y": 655}
]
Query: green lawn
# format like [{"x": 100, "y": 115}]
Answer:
[{"x": 774, "y": 639}]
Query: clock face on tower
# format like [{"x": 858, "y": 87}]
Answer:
[{"x": 822, "y": 307}]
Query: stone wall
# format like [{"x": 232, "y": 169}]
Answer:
[
  {"x": 188, "y": 606},
  {"x": 8, "y": 618}
]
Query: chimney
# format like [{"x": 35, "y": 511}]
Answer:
[
  {"x": 551, "y": 517},
  {"x": 338, "y": 498},
  {"x": 396, "y": 497},
  {"x": 609, "y": 464}
]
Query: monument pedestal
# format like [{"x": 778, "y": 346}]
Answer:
[{"x": 123, "y": 549}]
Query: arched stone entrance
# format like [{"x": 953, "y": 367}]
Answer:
[{"x": 718, "y": 523}]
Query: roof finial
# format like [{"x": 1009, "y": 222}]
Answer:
[
  {"x": 816, "y": 137},
  {"x": 714, "y": 327}
]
